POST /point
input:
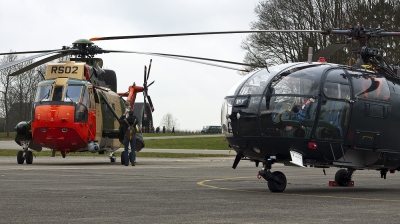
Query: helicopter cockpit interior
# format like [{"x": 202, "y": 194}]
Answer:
[
  {"x": 285, "y": 101},
  {"x": 74, "y": 94}
]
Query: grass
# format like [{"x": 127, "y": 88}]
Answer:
[
  {"x": 169, "y": 134},
  {"x": 217, "y": 143},
  {"x": 12, "y": 134},
  {"x": 3, "y": 136},
  {"x": 10, "y": 152},
  {"x": 213, "y": 143}
]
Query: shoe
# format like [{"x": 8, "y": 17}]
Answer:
[
  {"x": 126, "y": 165},
  {"x": 133, "y": 164}
]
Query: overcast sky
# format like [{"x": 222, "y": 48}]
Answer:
[{"x": 192, "y": 93}]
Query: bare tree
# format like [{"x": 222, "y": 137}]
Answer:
[
  {"x": 24, "y": 89},
  {"x": 6, "y": 82},
  {"x": 169, "y": 122},
  {"x": 275, "y": 48},
  {"x": 18, "y": 92}
]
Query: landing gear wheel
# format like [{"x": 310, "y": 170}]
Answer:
[
  {"x": 29, "y": 157},
  {"x": 123, "y": 158},
  {"x": 112, "y": 157},
  {"x": 342, "y": 177},
  {"x": 275, "y": 186},
  {"x": 20, "y": 157}
]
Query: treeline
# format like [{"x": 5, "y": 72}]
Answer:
[
  {"x": 18, "y": 92},
  {"x": 276, "y": 48}
]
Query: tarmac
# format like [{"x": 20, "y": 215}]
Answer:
[{"x": 193, "y": 190}]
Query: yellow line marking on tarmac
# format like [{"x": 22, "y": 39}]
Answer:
[{"x": 203, "y": 183}]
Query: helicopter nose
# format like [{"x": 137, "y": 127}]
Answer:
[{"x": 54, "y": 127}]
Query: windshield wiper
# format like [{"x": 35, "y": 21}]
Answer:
[
  {"x": 66, "y": 96},
  {"x": 46, "y": 96}
]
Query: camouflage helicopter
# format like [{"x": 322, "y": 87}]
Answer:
[{"x": 77, "y": 106}]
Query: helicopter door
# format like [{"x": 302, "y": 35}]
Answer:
[
  {"x": 335, "y": 109},
  {"x": 370, "y": 111}
]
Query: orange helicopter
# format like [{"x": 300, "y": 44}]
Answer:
[{"x": 77, "y": 107}]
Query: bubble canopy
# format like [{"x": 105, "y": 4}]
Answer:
[{"x": 262, "y": 98}]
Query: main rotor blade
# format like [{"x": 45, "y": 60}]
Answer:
[
  {"x": 35, "y": 64},
  {"x": 204, "y": 63},
  {"x": 3, "y": 66},
  {"x": 328, "y": 51},
  {"x": 201, "y": 33},
  {"x": 184, "y": 56},
  {"x": 27, "y": 52}
]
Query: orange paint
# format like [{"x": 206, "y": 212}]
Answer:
[
  {"x": 131, "y": 94},
  {"x": 54, "y": 127}
]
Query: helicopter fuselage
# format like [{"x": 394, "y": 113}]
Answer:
[
  {"x": 318, "y": 114},
  {"x": 70, "y": 114}
]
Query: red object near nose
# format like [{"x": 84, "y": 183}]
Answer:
[
  {"x": 312, "y": 145},
  {"x": 322, "y": 59}
]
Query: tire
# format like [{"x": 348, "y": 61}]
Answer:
[
  {"x": 112, "y": 160},
  {"x": 341, "y": 177},
  {"x": 29, "y": 157},
  {"x": 20, "y": 157},
  {"x": 275, "y": 186}
]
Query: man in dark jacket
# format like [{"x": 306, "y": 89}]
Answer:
[{"x": 132, "y": 120}]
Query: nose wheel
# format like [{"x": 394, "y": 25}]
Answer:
[
  {"x": 276, "y": 181},
  {"x": 20, "y": 157},
  {"x": 25, "y": 156},
  {"x": 112, "y": 157}
]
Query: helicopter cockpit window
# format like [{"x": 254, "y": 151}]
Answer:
[
  {"x": 292, "y": 102},
  {"x": 72, "y": 93},
  {"x": 256, "y": 84},
  {"x": 337, "y": 91},
  {"x": 370, "y": 86},
  {"x": 57, "y": 95},
  {"x": 81, "y": 111},
  {"x": 299, "y": 82},
  {"x": 43, "y": 93},
  {"x": 84, "y": 98},
  {"x": 337, "y": 85}
]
